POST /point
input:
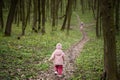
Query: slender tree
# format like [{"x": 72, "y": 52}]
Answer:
[
  {"x": 82, "y": 6},
  {"x": 43, "y": 16},
  {"x": 75, "y": 4},
  {"x": 39, "y": 15},
  {"x": 53, "y": 13},
  {"x": 117, "y": 17},
  {"x": 57, "y": 10},
  {"x": 65, "y": 18},
  {"x": 18, "y": 13},
  {"x": 93, "y": 2},
  {"x": 98, "y": 19},
  {"x": 1, "y": 15},
  {"x": 69, "y": 14},
  {"x": 35, "y": 9},
  {"x": 10, "y": 17},
  {"x": 89, "y": 4},
  {"x": 28, "y": 12},
  {"x": 23, "y": 16}
]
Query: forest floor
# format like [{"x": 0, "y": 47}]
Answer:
[{"x": 69, "y": 66}]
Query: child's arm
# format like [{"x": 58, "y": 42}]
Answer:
[{"x": 52, "y": 56}]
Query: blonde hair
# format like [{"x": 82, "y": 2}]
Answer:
[{"x": 59, "y": 46}]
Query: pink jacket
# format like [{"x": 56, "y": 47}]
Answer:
[{"x": 58, "y": 55}]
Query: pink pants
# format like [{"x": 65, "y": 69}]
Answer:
[{"x": 59, "y": 69}]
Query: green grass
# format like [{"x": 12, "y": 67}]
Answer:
[
  {"x": 24, "y": 58},
  {"x": 90, "y": 62}
]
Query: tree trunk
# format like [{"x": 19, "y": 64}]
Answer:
[
  {"x": 75, "y": 4},
  {"x": 10, "y": 17},
  {"x": 82, "y": 6},
  {"x": 89, "y": 4},
  {"x": 65, "y": 18},
  {"x": 61, "y": 6},
  {"x": 117, "y": 8},
  {"x": 1, "y": 15},
  {"x": 53, "y": 13},
  {"x": 98, "y": 19},
  {"x": 43, "y": 16},
  {"x": 34, "y": 27},
  {"x": 93, "y": 9},
  {"x": 39, "y": 15},
  {"x": 15, "y": 15},
  {"x": 57, "y": 9},
  {"x": 28, "y": 12},
  {"x": 110, "y": 64},
  {"x": 23, "y": 16},
  {"x": 69, "y": 14},
  {"x": 19, "y": 12}
]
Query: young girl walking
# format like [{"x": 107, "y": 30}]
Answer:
[{"x": 58, "y": 59}]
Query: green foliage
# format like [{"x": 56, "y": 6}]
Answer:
[
  {"x": 90, "y": 62},
  {"x": 43, "y": 66},
  {"x": 24, "y": 58}
]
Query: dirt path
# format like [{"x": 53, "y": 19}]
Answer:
[{"x": 70, "y": 56}]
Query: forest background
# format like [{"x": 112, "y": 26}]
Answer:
[{"x": 30, "y": 29}]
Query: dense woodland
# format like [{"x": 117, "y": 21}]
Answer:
[{"x": 35, "y": 14}]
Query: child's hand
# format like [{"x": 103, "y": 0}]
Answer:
[{"x": 49, "y": 60}]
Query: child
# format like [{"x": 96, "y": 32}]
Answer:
[
  {"x": 58, "y": 59},
  {"x": 81, "y": 26}
]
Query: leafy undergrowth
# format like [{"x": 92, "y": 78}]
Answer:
[
  {"x": 90, "y": 62},
  {"x": 23, "y": 59}
]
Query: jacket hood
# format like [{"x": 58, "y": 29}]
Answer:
[{"x": 59, "y": 46}]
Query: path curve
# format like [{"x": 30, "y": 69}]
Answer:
[{"x": 70, "y": 56}]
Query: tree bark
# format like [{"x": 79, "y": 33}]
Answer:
[
  {"x": 10, "y": 17},
  {"x": 69, "y": 14},
  {"x": 82, "y": 6},
  {"x": 98, "y": 19},
  {"x": 1, "y": 15},
  {"x": 53, "y": 13},
  {"x": 23, "y": 16},
  {"x": 65, "y": 18},
  {"x": 39, "y": 15},
  {"x": 43, "y": 16},
  {"x": 75, "y": 4},
  {"x": 110, "y": 63},
  {"x": 34, "y": 27},
  {"x": 117, "y": 9},
  {"x": 93, "y": 8}
]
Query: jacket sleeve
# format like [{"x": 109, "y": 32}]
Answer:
[{"x": 52, "y": 56}]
